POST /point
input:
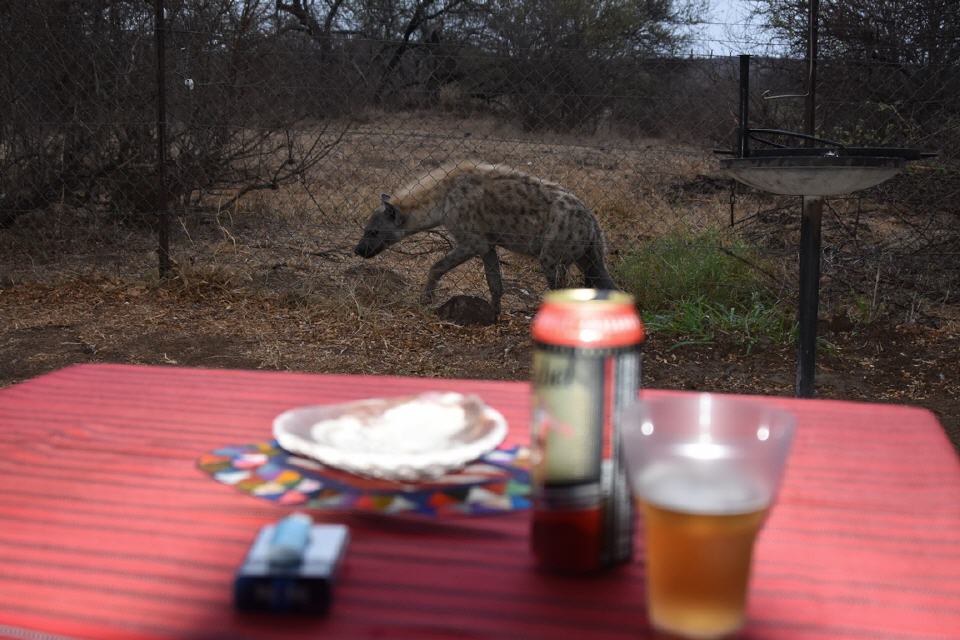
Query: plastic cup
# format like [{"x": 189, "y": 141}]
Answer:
[{"x": 706, "y": 470}]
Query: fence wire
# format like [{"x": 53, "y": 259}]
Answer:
[{"x": 280, "y": 144}]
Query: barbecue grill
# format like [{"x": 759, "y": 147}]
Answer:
[{"x": 814, "y": 168}]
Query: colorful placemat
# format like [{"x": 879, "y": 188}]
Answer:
[{"x": 498, "y": 482}]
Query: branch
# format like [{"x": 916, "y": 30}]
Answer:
[
  {"x": 752, "y": 265},
  {"x": 313, "y": 155},
  {"x": 320, "y": 33},
  {"x": 445, "y": 9},
  {"x": 418, "y": 18}
]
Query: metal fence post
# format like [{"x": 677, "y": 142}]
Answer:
[{"x": 163, "y": 213}]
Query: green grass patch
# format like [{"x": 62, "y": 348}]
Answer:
[{"x": 697, "y": 288}]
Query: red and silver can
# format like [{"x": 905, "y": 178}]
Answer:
[{"x": 586, "y": 369}]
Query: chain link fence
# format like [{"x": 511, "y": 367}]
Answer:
[{"x": 278, "y": 144}]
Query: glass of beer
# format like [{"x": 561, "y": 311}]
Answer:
[{"x": 706, "y": 469}]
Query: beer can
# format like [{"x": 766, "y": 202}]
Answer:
[{"x": 586, "y": 369}]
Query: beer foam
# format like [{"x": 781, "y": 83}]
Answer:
[{"x": 703, "y": 489}]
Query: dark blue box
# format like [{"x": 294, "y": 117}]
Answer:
[{"x": 305, "y": 586}]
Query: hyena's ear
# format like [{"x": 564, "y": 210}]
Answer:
[{"x": 394, "y": 214}]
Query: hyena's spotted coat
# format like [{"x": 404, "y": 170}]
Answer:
[{"x": 488, "y": 206}]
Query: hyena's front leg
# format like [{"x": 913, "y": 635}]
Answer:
[
  {"x": 491, "y": 268},
  {"x": 452, "y": 260}
]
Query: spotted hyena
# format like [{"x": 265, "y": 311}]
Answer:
[{"x": 488, "y": 206}]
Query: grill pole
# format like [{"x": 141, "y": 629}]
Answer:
[
  {"x": 810, "y": 225},
  {"x": 809, "y": 293}
]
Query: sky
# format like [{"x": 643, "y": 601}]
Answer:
[{"x": 727, "y": 31}]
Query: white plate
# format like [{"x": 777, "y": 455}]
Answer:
[{"x": 407, "y": 438}]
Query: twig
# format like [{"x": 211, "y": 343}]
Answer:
[
  {"x": 303, "y": 183},
  {"x": 752, "y": 265},
  {"x": 184, "y": 227},
  {"x": 330, "y": 255},
  {"x": 758, "y": 214},
  {"x": 876, "y": 290},
  {"x": 223, "y": 229},
  {"x": 836, "y": 216}
]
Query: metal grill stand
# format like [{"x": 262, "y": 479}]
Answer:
[
  {"x": 813, "y": 172},
  {"x": 809, "y": 303}
]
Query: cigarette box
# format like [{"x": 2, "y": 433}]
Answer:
[{"x": 291, "y": 567}]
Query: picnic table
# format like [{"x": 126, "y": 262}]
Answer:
[{"x": 108, "y": 529}]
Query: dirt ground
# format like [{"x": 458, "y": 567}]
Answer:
[
  {"x": 47, "y": 327},
  {"x": 272, "y": 283}
]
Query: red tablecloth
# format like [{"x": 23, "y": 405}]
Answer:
[{"x": 109, "y": 530}]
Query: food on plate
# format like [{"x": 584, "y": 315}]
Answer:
[{"x": 402, "y": 438}]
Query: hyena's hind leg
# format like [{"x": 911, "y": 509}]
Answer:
[
  {"x": 559, "y": 249},
  {"x": 595, "y": 274},
  {"x": 491, "y": 268},
  {"x": 452, "y": 260}
]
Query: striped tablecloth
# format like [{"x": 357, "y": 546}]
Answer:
[{"x": 109, "y": 530}]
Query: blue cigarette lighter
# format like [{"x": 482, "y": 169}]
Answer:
[{"x": 291, "y": 567}]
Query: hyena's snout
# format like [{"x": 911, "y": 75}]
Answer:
[{"x": 369, "y": 247}]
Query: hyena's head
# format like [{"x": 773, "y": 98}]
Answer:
[{"x": 384, "y": 228}]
